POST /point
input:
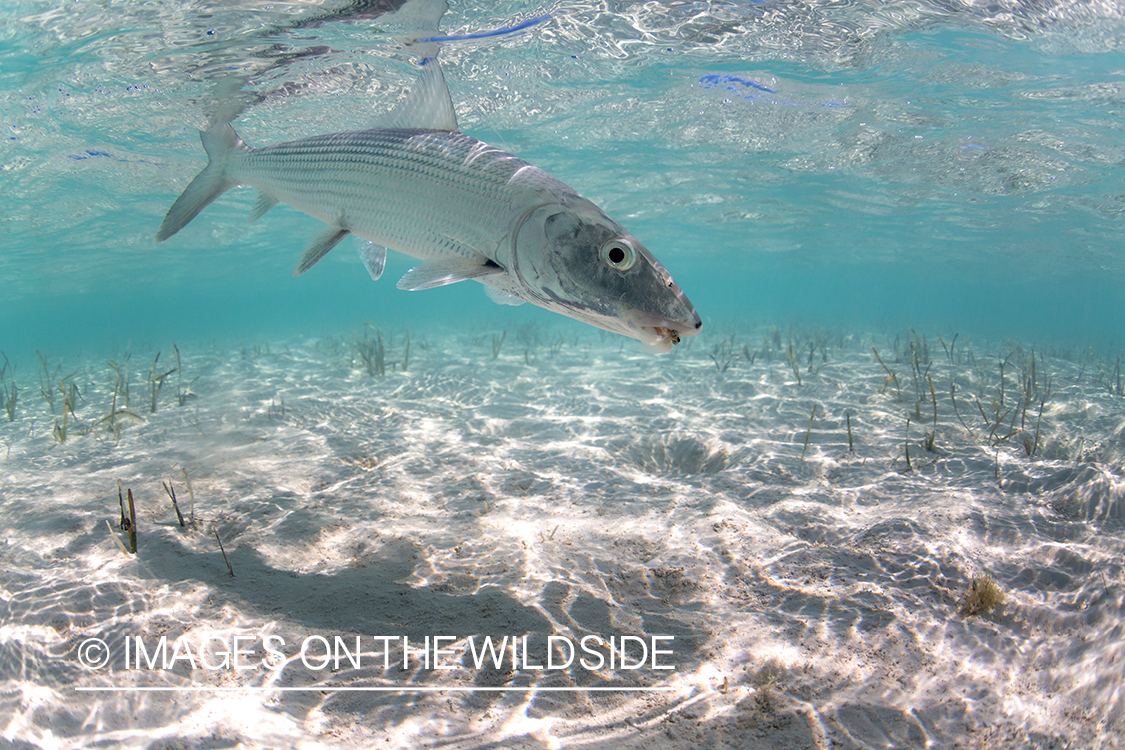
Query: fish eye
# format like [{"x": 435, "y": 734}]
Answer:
[{"x": 619, "y": 254}]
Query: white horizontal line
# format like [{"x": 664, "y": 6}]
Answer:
[{"x": 341, "y": 689}]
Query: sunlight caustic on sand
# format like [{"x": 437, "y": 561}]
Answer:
[{"x": 808, "y": 576}]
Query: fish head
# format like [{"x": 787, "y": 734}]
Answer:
[{"x": 570, "y": 257}]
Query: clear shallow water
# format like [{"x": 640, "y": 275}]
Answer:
[{"x": 842, "y": 172}]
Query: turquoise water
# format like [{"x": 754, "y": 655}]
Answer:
[
  {"x": 858, "y": 165},
  {"x": 899, "y": 221}
]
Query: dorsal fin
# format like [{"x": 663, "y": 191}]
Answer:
[
  {"x": 428, "y": 104},
  {"x": 415, "y": 19}
]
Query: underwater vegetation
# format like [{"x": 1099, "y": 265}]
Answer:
[
  {"x": 942, "y": 392},
  {"x": 183, "y": 393},
  {"x": 1010, "y": 400},
  {"x": 156, "y": 382},
  {"x": 70, "y": 399},
  {"x": 373, "y": 352},
  {"x": 982, "y": 597},
  {"x": 127, "y": 524},
  {"x": 949, "y": 391},
  {"x": 497, "y": 343},
  {"x": 9, "y": 392}
]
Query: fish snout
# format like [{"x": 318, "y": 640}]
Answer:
[{"x": 679, "y": 316}]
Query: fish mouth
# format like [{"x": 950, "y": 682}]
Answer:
[
  {"x": 680, "y": 319},
  {"x": 664, "y": 334}
]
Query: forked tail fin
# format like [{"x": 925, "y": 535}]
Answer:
[{"x": 209, "y": 184}]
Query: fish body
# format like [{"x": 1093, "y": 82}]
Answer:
[{"x": 466, "y": 209}]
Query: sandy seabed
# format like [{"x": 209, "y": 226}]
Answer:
[{"x": 755, "y": 506}]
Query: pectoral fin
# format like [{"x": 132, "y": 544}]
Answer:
[
  {"x": 502, "y": 298},
  {"x": 450, "y": 270},
  {"x": 319, "y": 247},
  {"x": 374, "y": 259}
]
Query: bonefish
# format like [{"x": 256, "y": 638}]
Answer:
[{"x": 467, "y": 210}]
